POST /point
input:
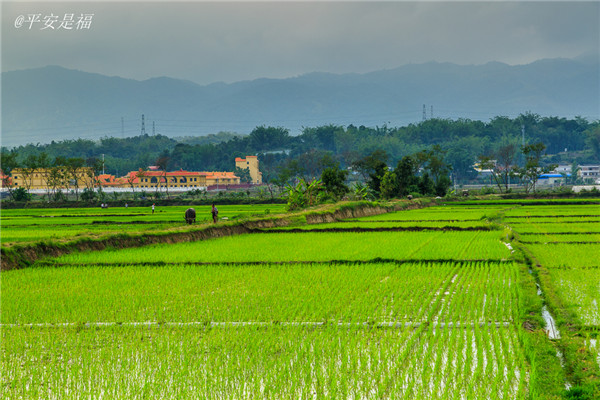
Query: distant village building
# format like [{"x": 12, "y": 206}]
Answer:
[
  {"x": 152, "y": 178},
  {"x": 176, "y": 179},
  {"x": 251, "y": 164},
  {"x": 58, "y": 178},
  {"x": 5, "y": 180},
  {"x": 221, "y": 178},
  {"x": 565, "y": 169},
  {"x": 589, "y": 172},
  {"x": 551, "y": 179}
]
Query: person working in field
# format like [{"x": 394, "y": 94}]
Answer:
[
  {"x": 152, "y": 208},
  {"x": 215, "y": 213}
]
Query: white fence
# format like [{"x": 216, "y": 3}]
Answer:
[{"x": 119, "y": 190}]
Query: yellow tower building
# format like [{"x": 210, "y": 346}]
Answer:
[{"x": 250, "y": 163}]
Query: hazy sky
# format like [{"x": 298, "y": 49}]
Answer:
[{"x": 230, "y": 41}]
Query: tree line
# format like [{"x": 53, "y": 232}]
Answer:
[{"x": 443, "y": 149}]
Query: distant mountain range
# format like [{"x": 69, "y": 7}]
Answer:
[{"x": 55, "y": 103}]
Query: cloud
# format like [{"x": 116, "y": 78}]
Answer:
[{"x": 230, "y": 41}]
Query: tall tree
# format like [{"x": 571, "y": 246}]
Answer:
[
  {"x": 264, "y": 138},
  {"x": 57, "y": 178},
  {"x": 530, "y": 173},
  {"x": 388, "y": 187},
  {"x": 163, "y": 163},
  {"x": 406, "y": 175},
  {"x": 8, "y": 162},
  {"x": 73, "y": 167},
  {"x": 243, "y": 174},
  {"x": 501, "y": 164},
  {"x": 94, "y": 168},
  {"x": 140, "y": 174},
  {"x": 373, "y": 167},
  {"x": 505, "y": 158},
  {"x": 334, "y": 181},
  {"x": 28, "y": 171},
  {"x": 592, "y": 141}
]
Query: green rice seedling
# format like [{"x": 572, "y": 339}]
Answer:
[
  {"x": 315, "y": 247},
  {"x": 583, "y": 226},
  {"x": 240, "y": 317},
  {"x": 390, "y": 224},
  {"x": 580, "y": 289},
  {"x": 566, "y": 255},
  {"x": 61, "y": 224}
]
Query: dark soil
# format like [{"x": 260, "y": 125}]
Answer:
[{"x": 380, "y": 229}]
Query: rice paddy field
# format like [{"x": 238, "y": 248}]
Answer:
[
  {"x": 27, "y": 225},
  {"x": 443, "y": 302},
  {"x": 566, "y": 242}
]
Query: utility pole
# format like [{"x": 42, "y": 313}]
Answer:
[
  {"x": 522, "y": 144},
  {"x": 143, "y": 126},
  {"x": 424, "y": 112},
  {"x": 122, "y": 127},
  {"x": 431, "y": 113},
  {"x": 103, "y": 164}
]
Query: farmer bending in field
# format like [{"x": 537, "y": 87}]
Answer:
[{"x": 215, "y": 213}]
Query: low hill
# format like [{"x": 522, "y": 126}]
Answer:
[{"x": 54, "y": 103}]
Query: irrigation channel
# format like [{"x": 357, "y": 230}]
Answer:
[
  {"x": 550, "y": 324},
  {"x": 551, "y": 330}
]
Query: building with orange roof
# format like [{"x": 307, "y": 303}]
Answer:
[
  {"x": 5, "y": 180},
  {"x": 251, "y": 164},
  {"x": 182, "y": 180},
  {"x": 143, "y": 179},
  {"x": 221, "y": 178},
  {"x": 175, "y": 179}
]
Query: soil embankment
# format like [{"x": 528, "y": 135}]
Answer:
[{"x": 22, "y": 256}]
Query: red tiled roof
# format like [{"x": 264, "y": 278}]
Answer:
[
  {"x": 182, "y": 173},
  {"x": 219, "y": 175},
  {"x": 161, "y": 173},
  {"x": 244, "y": 159}
]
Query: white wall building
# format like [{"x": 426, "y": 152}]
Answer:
[{"x": 589, "y": 172}]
